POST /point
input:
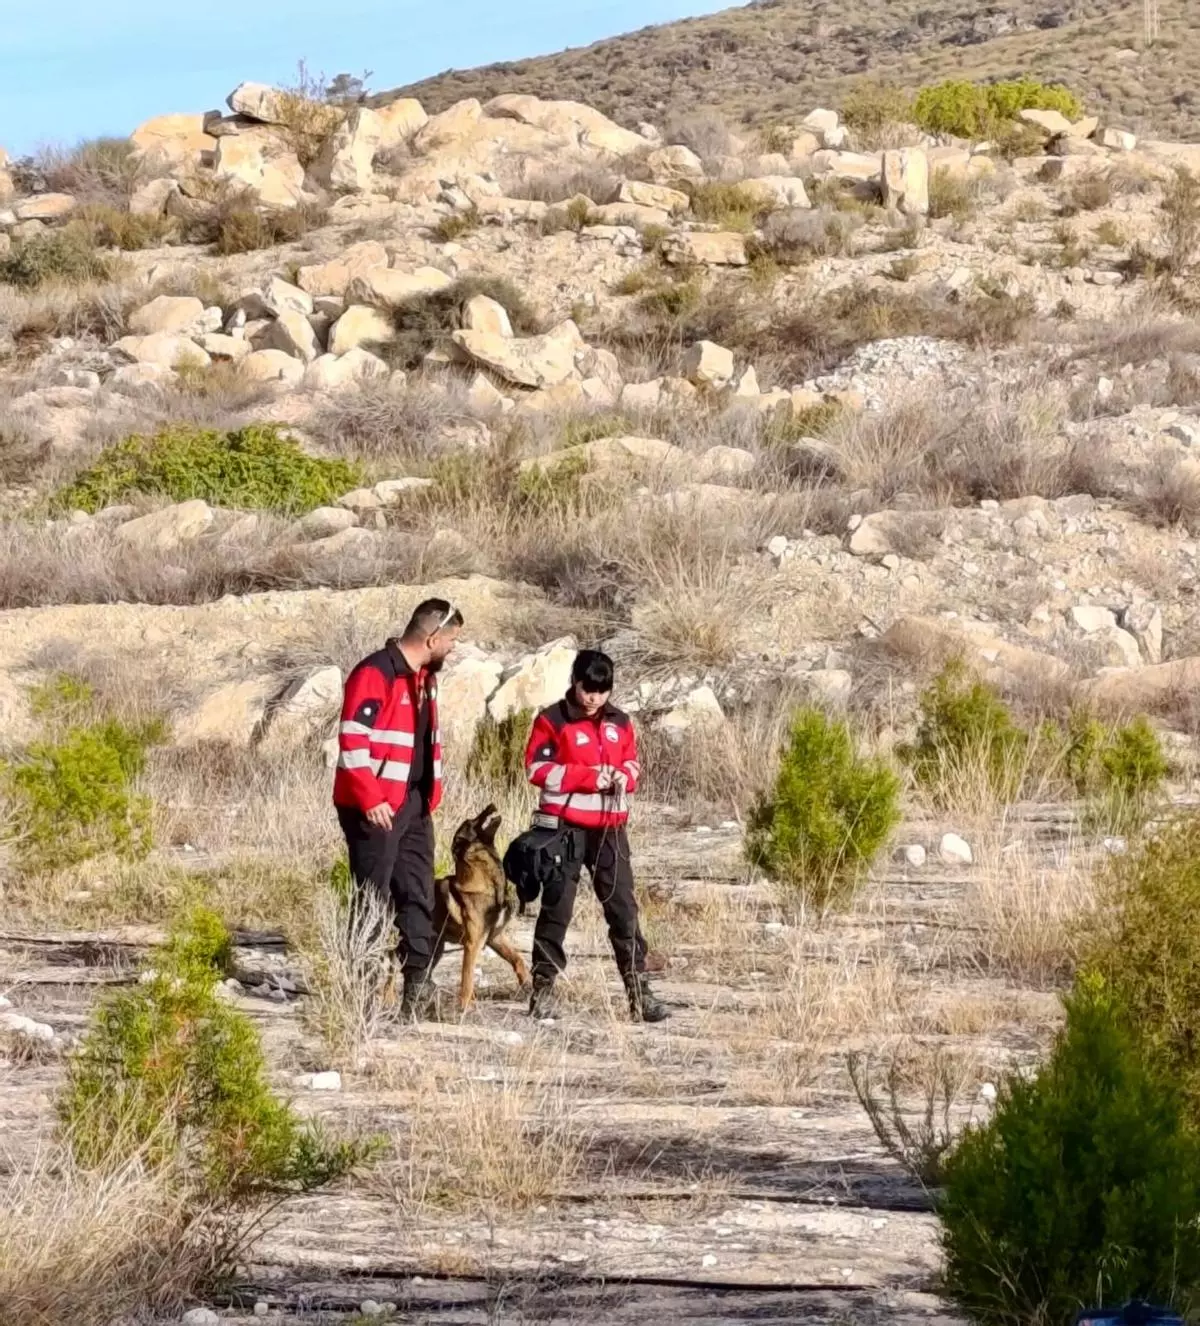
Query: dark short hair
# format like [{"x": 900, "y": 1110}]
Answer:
[
  {"x": 430, "y": 616},
  {"x": 593, "y": 671}
]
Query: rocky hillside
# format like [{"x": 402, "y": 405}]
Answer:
[
  {"x": 775, "y": 428},
  {"x": 771, "y": 61}
]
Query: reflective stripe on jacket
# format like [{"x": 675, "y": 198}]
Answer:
[
  {"x": 378, "y": 731},
  {"x": 565, "y": 755}
]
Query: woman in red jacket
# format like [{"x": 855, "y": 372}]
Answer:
[{"x": 582, "y": 758}]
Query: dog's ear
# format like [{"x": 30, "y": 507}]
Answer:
[{"x": 488, "y": 824}]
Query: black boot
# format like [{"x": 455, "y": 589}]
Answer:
[
  {"x": 420, "y": 1002},
  {"x": 643, "y": 1005},
  {"x": 543, "y": 1003}
]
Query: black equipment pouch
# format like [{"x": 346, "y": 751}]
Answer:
[{"x": 537, "y": 862}]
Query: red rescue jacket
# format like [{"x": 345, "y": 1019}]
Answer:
[
  {"x": 565, "y": 755},
  {"x": 378, "y": 731}
]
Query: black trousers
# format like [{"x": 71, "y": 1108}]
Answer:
[
  {"x": 398, "y": 864},
  {"x": 606, "y": 855}
]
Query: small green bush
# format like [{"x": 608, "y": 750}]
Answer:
[
  {"x": 828, "y": 814},
  {"x": 497, "y": 758},
  {"x": 672, "y": 300},
  {"x": 1119, "y": 770},
  {"x": 73, "y": 793},
  {"x": 983, "y": 110},
  {"x": 581, "y": 429},
  {"x": 252, "y": 468},
  {"x": 63, "y": 257},
  {"x": 730, "y": 206},
  {"x": 1146, "y": 944},
  {"x": 965, "y": 735},
  {"x": 870, "y": 106},
  {"x": 170, "y": 1069},
  {"x": 425, "y": 322},
  {"x": 1084, "y": 1186}
]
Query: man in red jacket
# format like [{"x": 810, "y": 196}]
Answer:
[
  {"x": 389, "y": 782},
  {"x": 582, "y": 757}
]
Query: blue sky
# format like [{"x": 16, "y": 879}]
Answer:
[{"x": 72, "y": 69}]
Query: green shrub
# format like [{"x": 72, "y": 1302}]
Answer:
[
  {"x": 828, "y": 814},
  {"x": 966, "y": 737},
  {"x": 581, "y": 429},
  {"x": 1084, "y": 1186},
  {"x": 497, "y": 758},
  {"x": 672, "y": 300},
  {"x": 951, "y": 194},
  {"x": 425, "y": 322},
  {"x": 116, "y": 228},
  {"x": 983, "y": 110},
  {"x": 456, "y": 224},
  {"x": 871, "y": 105},
  {"x": 64, "y": 257},
  {"x": 256, "y": 467},
  {"x": 73, "y": 793},
  {"x": 730, "y": 206},
  {"x": 1146, "y": 944},
  {"x": 171, "y": 1069},
  {"x": 1119, "y": 770}
]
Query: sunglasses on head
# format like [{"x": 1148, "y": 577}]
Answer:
[{"x": 451, "y": 613}]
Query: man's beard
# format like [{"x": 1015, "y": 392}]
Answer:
[{"x": 435, "y": 665}]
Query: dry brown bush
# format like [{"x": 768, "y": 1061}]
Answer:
[
  {"x": 1168, "y": 493},
  {"x": 91, "y": 1248},
  {"x": 103, "y": 170},
  {"x": 32, "y": 319},
  {"x": 557, "y": 183},
  {"x": 373, "y": 421}
]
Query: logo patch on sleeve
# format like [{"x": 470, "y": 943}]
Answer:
[
  {"x": 367, "y": 711},
  {"x": 546, "y": 752}
]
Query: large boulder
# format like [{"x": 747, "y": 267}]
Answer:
[
  {"x": 390, "y": 286},
  {"x": 718, "y": 248},
  {"x": 661, "y": 196},
  {"x": 532, "y": 361},
  {"x": 708, "y": 364},
  {"x": 167, "y": 313},
  {"x": 1145, "y": 689},
  {"x": 333, "y": 372},
  {"x": 168, "y": 529},
  {"x": 272, "y": 366},
  {"x": 482, "y": 314},
  {"x": 905, "y": 181},
  {"x": 347, "y": 158},
  {"x": 668, "y": 164},
  {"x": 45, "y": 207},
  {"x": 292, "y": 333},
  {"x": 570, "y": 120},
  {"x": 152, "y": 197},
  {"x": 933, "y": 638},
  {"x": 849, "y": 167},
  {"x": 360, "y": 325},
  {"x": 334, "y": 277},
  {"x": 229, "y": 716},
  {"x": 698, "y": 709},
  {"x": 260, "y": 162},
  {"x": 778, "y": 190},
  {"x": 464, "y": 690},
  {"x": 538, "y": 680},
  {"x": 1050, "y": 123},
  {"x": 306, "y": 708},
  {"x": 172, "y": 140},
  {"x": 258, "y": 101},
  {"x": 451, "y": 126},
  {"x": 163, "y": 349},
  {"x": 399, "y": 122}
]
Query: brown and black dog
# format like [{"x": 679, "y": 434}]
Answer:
[{"x": 472, "y": 906}]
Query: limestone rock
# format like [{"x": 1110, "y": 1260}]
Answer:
[
  {"x": 272, "y": 366},
  {"x": 661, "y": 196},
  {"x": 262, "y": 163},
  {"x": 327, "y": 520},
  {"x": 538, "y": 680},
  {"x": 699, "y": 709},
  {"x": 346, "y": 161},
  {"x": 725, "y": 463},
  {"x": 828, "y": 686},
  {"x": 914, "y": 855},
  {"x": 484, "y": 397},
  {"x": 292, "y": 333},
  {"x": 307, "y": 705},
  {"x": 667, "y": 164},
  {"x": 331, "y": 372},
  {"x": 1144, "y": 622},
  {"x": 1090, "y": 617},
  {"x": 955, "y": 851},
  {"x": 707, "y": 364},
  {"x": 570, "y": 120},
  {"x": 464, "y": 690},
  {"x": 167, "y": 313},
  {"x": 132, "y": 376},
  {"x": 1118, "y": 140},
  {"x": 231, "y": 715},
  {"x": 389, "y": 286},
  {"x": 172, "y": 140},
  {"x": 258, "y": 101},
  {"x": 451, "y": 126},
  {"x": 334, "y": 277},
  {"x": 399, "y": 121},
  {"x": 486, "y": 315},
  {"x": 778, "y": 190},
  {"x": 359, "y": 326},
  {"x": 721, "y": 248},
  {"x": 533, "y": 361},
  {"x": 849, "y": 167},
  {"x": 821, "y": 121},
  {"x": 163, "y": 349},
  {"x": 151, "y": 198},
  {"x": 630, "y": 214},
  {"x": 905, "y": 181},
  {"x": 391, "y": 492},
  {"x": 45, "y": 207},
  {"x": 1050, "y": 122},
  {"x": 218, "y": 346},
  {"x": 169, "y": 528}
]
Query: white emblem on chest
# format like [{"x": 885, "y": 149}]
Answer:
[{"x": 611, "y": 733}]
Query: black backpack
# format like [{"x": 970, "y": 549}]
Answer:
[{"x": 538, "y": 860}]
